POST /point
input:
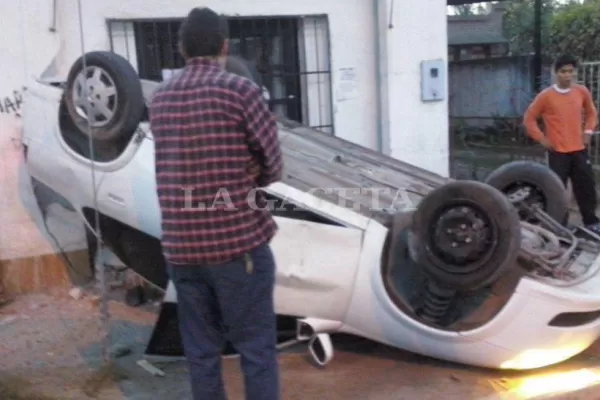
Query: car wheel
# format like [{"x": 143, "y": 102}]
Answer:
[
  {"x": 538, "y": 183},
  {"x": 104, "y": 96},
  {"x": 466, "y": 234}
]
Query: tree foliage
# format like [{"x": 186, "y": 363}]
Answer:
[
  {"x": 568, "y": 26},
  {"x": 575, "y": 29},
  {"x": 465, "y": 10},
  {"x": 519, "y": 24}
]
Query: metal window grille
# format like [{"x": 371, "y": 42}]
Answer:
[{"x": 291, "y": 55}]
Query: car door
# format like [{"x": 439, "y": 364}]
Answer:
[{"x": 316, "y": 264}]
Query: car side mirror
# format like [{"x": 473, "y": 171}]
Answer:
[{"x": 321, "y": 349}]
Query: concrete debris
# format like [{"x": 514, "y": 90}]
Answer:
[
  {"x": 76, "y": 293},
  {"x": 116, "y": 284},
  {"x": 120, "y": 350},
  {"x": 8, "y": 320},
  {"x": 135, "y": 296},
  {"x": 94, "y": 301},
  {"x": 37, "y": 306},
  {"x": 150, "y": 368}
]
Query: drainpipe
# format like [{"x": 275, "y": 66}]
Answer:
[
  {"x": 382, "y": 25},
  {"x": 53, "y": 22}
]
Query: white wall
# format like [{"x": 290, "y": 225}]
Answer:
[
  {"x": 24, "y": 52},
  {"x": 351, "y": 22},
  {"x": 416, "y": 132}
]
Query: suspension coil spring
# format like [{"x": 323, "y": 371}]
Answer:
[{"x": 436, "y": 302}]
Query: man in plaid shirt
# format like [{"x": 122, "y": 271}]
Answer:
[{"x": 215, "y": 143}]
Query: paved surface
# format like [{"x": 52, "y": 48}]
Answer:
[{"x": 50, "y": 345}]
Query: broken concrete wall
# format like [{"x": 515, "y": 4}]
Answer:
[{"x": 28, "y": 258}]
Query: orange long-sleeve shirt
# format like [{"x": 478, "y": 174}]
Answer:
[{"x": 563, "y": 117}]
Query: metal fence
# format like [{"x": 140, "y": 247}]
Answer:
[
  {"x": 480, "y": 145},
  {"x": 589, "y": 76},
  {"x": 291, "y": 56},
  {"x": 493, "y": 86}
]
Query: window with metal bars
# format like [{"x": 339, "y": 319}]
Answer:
[{"x": 291, "y": 55}]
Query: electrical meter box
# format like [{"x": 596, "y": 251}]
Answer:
[{"x": 433, "y": 80}]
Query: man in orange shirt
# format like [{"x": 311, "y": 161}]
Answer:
[{"x": 562, "y": 107}]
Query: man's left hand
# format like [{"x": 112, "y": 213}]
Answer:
[{"x": 587, "y": 138}]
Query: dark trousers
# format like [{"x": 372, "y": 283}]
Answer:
[
  {"x": 577, "y": 167},
  {"x": 229, "y": 301}
]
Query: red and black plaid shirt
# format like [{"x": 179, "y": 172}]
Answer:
[{"x": 209, "y": 126}]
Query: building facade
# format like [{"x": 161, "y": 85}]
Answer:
[
  {"x": 351, "y": 68},
  {"x": 473, "y": 37}
]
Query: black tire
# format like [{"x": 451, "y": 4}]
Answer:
[
  {"x": 127, "y": 102},
  {"x": 548, "y": 189},
  {"x": 431, "y": 242}
]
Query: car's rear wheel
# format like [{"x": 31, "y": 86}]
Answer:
[
  {"x": 104, "y": 96},
  {"x": 538, "y": 185},
  {"x": 466, "y": 234}
]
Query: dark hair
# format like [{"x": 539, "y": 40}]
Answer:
[
  {"x": 563, "y": 60},
  {"x": 203, "y": 33}
]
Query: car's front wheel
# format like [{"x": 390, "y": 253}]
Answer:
[{"x": 465, "y": 234}]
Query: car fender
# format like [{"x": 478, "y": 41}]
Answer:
[{"x": 70, "y": 177}]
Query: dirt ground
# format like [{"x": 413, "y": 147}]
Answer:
[{"x": 50, "y": 348}]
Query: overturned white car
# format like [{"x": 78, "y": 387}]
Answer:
[{"x": 477, "y": 273}]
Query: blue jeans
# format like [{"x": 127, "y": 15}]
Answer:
[{"x": 231, "y": 301}]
